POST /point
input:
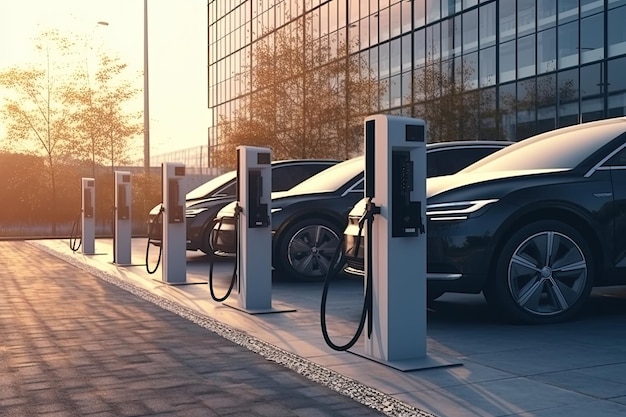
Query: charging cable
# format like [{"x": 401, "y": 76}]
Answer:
[
  {"x": 235, "y": 273},
  {"x": 75, "y": 239},
  {"x": 158, "y": 219},
  {"x": 366, "y": 313}
]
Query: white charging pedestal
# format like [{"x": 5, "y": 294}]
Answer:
[
  {"x": 395, "y": 150},
  {"x": 88, "y": 216},
  {"x": 123, "y": 223},
  {"x": 174, "y": 238},
  {"x": 254, "y": 252}
]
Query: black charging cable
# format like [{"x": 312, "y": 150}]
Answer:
[
  {"x": 75, "y": 238},
  {"x": 366, "y": 312},
  {"x": 158, "y": 219},
  {"x": 235, "y": 273}
]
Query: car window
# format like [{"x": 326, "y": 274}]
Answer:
[
  {"x": 559, "y": 149},
  {"x": 285, "y": 177},
  {"x": 212, "y": 186},
  {"x": 333, "y": 178},
  {"x": 449, "y": 161},
  {"x": 617, "y": 160}
]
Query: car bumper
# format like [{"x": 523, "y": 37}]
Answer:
[
  {"x": 457, "y": 253},
  {"x": 224, "y": 237}
]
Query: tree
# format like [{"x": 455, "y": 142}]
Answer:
[
  {"x": 302, "y": 99},
  {"x": 45, "y": 114},
  {"x": 449, "y": 101}
]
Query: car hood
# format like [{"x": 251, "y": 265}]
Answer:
[
  {"x": 439, "y": 185},
  {"x": 206, "y": 202}
]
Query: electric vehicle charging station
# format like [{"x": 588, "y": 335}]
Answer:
[
  {"x": 88, "y": 215},
  {"x": 254, "y": 251},
  {"x": 123, "y": 225},
  {"x": 395, "y": 180},
  {"x": 174, "y": 237}
]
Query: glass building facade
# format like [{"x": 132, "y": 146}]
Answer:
[{"x": 565, "y": 60}]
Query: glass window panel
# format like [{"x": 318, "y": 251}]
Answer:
[
  {"x": 383, "y": 56},
  {"x": 592, "y": 38},
  {"x": 616, "y": 3},
  {"x": 617, "y": 105},
  {"x": 546, "y": 51},
  {"x": 568, "y": 10},
  {"x": 433, "y": 39},
  {"x": 470, "y": 31},
  {"x": 470, "y": 69},
  {"x": 507, "y": 61},
  {"x": 589, "y": 7},
  {"x": 507, "y": 98},
  {"x": 395, "y": 16},
  {"x": 373, "y": 29},
  {"x": 384, "y": 97},
  {"x": 568, "y": 87},
  {"x": 487, "y": 67},
  {"x": 617, "y": 31},
  {"x": 568, "y": 45},
  {"x": 419, "y": 45},
  {"x": 469, "y": 3},
  {"x": 395, "y": 90},
  {"x": 447, "y": 8},
  {"x": 526, "y": 56},
  {"x": 447, "y": 38},
  {"x": 406, "y": 88},
  {"x": 591, "y": 109},
  {"x": 395, "y": 56},
  {"x": 525, "y": 17},
  {"x": 616, "y": 70},
  {"x": 487, "y": 25},
  {"x": 364, "y": 36},
  {"x": 353, "y": 10},
  {"x": 383, "y": 25},
  {"x": 433, "y": 10},
  {"x": 406, "y": 53},
  {"x": 546, "y": 103},
  {"x": 405, "y": 13},
  {"x": 419, "y": 13},
  {"x": 507, "y": 19}
]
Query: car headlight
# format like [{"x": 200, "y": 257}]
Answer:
[
  {"x": 194, "y": 212},
  {"x": 276, "y": 209},
  {"x": 459, "y": 210}
]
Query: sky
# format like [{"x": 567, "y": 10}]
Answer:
[{"x": 177, "y": 54}]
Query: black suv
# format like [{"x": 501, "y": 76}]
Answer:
[{"x": 204, "y": 201}]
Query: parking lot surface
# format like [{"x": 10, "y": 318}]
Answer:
[{"x": 81, "y": 326}]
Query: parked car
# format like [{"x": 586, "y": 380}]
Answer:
[
  {"x": 307, "y": 221},
  {"x": 204, "y": 201},
  {"x": 534, "y": 226}
]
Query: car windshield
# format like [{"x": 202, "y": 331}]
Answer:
[
  {"x": 331, "y": 179},
  {"x": 558, "y": 149},
  {"x": 205, "y": 190}
]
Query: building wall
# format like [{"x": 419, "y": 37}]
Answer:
[{"x": 564, "y": 59}]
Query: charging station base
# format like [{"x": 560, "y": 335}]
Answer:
[
  {"x": 186, "y": 282},
  {"x": 416, "y": 364},
  {"x": 256, "y": 311}
]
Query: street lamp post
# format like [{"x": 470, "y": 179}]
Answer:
[{"x": 146, "y": 96}]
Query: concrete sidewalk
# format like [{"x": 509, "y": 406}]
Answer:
[
  {"x": 74, "y": 345},
  {"x": 571, "y": 369}
]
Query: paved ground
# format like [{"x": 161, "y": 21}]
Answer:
[
  {"x": 573, "y": 369},
  {"x": 74, "y": 345}
]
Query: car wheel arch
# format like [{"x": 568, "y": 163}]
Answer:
[
  {"x": 560, "y": 214},
  {"x": 293, "y": 220}
]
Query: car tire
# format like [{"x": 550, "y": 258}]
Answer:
[
  {"x": 306, "y": 248},
  {"x": 544, "y": 274}
]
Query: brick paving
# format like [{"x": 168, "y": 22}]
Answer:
[{"x": 75, "y": 345}]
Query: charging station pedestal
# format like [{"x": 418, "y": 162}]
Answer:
[
  {"x": 254, "y": 252},
  {"x": 88, "y": 216},
  {"x": 174, "y": 238},
  {"x": 395, "y": 178},
  {"x": 123, "y": 224}
]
